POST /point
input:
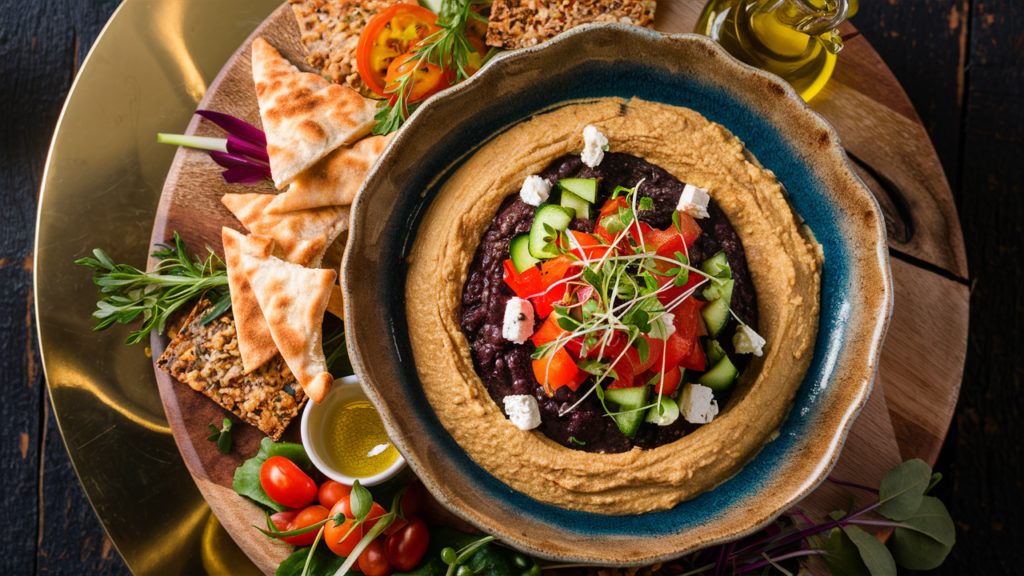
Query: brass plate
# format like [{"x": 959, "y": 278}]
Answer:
[{"x": 103, "y": 178}]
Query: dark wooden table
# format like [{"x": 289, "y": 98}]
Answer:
[{"x": 960, "y": 61}]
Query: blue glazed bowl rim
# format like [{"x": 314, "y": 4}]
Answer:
[{"x": 427, "y": 446}]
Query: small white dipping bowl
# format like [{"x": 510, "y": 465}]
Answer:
[{"x": 344, "y": 391}]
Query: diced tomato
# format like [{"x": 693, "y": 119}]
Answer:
[
  {"x": 549, "y": 331},
  {"x": 626, "y": 368},
  {"x": 688, "y": 228},
  {"x": 553, "y": 270},
  {"x": 555, "y": 370},
  {"x": 524, "y": 284},
  {"x": 545, "y": 302},
  {"x": 696, "y": 359},
  {"x": 687, "y": 315},
  {"x": 604, "y": 235},
  {"x": 667, "y": 385},
  {"x": 657, "y": 348},
  {"x": 612, "y": 205},
  {"x": 677, "y": 348},
  {"x": 588, "y": 247}
]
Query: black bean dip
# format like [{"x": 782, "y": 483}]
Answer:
[{"x": 506, "y": 368}]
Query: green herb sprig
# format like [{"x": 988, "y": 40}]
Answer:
[
  {"x": 176, "y": 279},
  {"x": 222, "y": 437},
  {"x": 448, "y": 48}
]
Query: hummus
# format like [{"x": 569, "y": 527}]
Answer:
[{"x": 784, "y": 268}]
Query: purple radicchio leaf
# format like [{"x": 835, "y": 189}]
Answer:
[
  {"x": 236, "y": 127},
  {"x": 235, "y": 161},
  {"x": 245, "y": 175},
  {"x": 242, "y": 148}
]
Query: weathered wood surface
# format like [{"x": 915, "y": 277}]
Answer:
[{"x": 960, "y": 64}]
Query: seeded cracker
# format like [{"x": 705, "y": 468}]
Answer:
[
  {"x": 330, "y": 32},
  {"x": 523, "y": 23},
  {"x": 207, "y": 359}
]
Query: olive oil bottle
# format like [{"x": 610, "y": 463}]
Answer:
[{"x": 794, "y": 39}]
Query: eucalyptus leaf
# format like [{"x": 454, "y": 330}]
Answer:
[
  {"x": 902, "y": 489},
  {"x": 875, "y": 555},
  {"x": 929, "y": 538},
  {"x": 842, "y": 555}
]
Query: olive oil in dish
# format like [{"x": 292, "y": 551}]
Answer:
[
  {"x": 355, "y": 441},
  {"x": 795, "y": 39}
]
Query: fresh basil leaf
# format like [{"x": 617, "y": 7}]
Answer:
[
  {"x": 903, "y": 488},
  {"x": 927, "y": 540},
  {"x": 247, "y": 476},
  {"x": 361, "y": 501},
  {"x": 875, "y": 555}
]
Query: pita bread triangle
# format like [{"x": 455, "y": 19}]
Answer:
[
  {"x": 255, "y": 342},
  {"x": 304, "y": 115},
  {"x": 293, "y": 300},
  {"x": 334, "y": 180},
  {"x": 303, "y": 235}
]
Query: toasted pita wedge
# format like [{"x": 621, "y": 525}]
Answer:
[
  {"x": 334, "y": 180},
  {"x": 255, "y": 343},
  {"x": 304, "y": 235},
  {"x": 304, "y": 115},
  {"x": 293, "y": 300}
]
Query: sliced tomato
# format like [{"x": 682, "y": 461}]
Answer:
[
  {"x": 667, "y": 385},
  {"x": 388, "y": 35},
  {"x": 524, "y": 284},
  {"x": 696, "y": 360},
  {"x": 677, "y": 348},
  {"x": 427, "y": 79},
  {"x": 627, "y": 368},
  {"x": 581, "y": 376},
  {"x": 555, "y": 370},
  {"x": 686, "y": 317}
]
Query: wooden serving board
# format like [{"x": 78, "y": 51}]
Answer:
[{"x": 910, "y": 410}]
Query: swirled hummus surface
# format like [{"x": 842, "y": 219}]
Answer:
[{"x": 783, "y": 264}]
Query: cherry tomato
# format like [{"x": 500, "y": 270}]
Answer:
[
  {"x": 333, "y": 535},
  {"x": 330, "y": 492},
  {"x": 374, "y": 562},
  {"x": 412, "y": 501},
  {"x": 375, "y": 514},
  {"x": 306, "y": 517},
  {"x": 286, "y": 484},
  {"x": 427, "y": 78},
  {"x": 406, "y": 547},
  {"x": 388, "y": 35}
]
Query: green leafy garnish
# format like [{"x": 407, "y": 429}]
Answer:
[
  {"x": 247, "y": 476},
  {"x": 175, "y": 280},
  {"x": 222, "y": 437}
]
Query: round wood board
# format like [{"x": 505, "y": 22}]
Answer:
[{"x": 922, "y": 361}]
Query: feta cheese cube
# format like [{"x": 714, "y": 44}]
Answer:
[
  {"x": 523, "y": 411},
  {"x": 697, "y": 404},
  {"x": 694, "y": 201},
  {"x": 663, "y": 326},
  {"x": 518, "y": 324},
  {"x": 535, "y": 190},
  {"x": 746, "y": 341},
  {"x": 593, "y": 146}
]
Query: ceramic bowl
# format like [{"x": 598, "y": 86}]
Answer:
[
  {"x": 785, "y": 136},
  {"x": 344, "y": 391}
]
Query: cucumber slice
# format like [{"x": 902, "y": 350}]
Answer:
[
  {"x": 519, "y": 251},
  {"x": 558, "y": 219},
  {"x": 630, "y": 401},
  {"x": 717, "y": 266},
  {"x": 669, "y": 412},
  {"x": 574, "y": 202},
  {"x": 585, "y": 188},
  {"x": 716, "y": 291},
  {"x": 721, "y": 377},
  {"x": 716, "y": 316},
  {"x": 713, "y": 351}
]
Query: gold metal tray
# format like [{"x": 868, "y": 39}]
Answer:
[{"x": 145, "y": 74}]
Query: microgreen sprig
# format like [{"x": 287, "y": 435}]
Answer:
[{"x": 175, "y": 280}]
